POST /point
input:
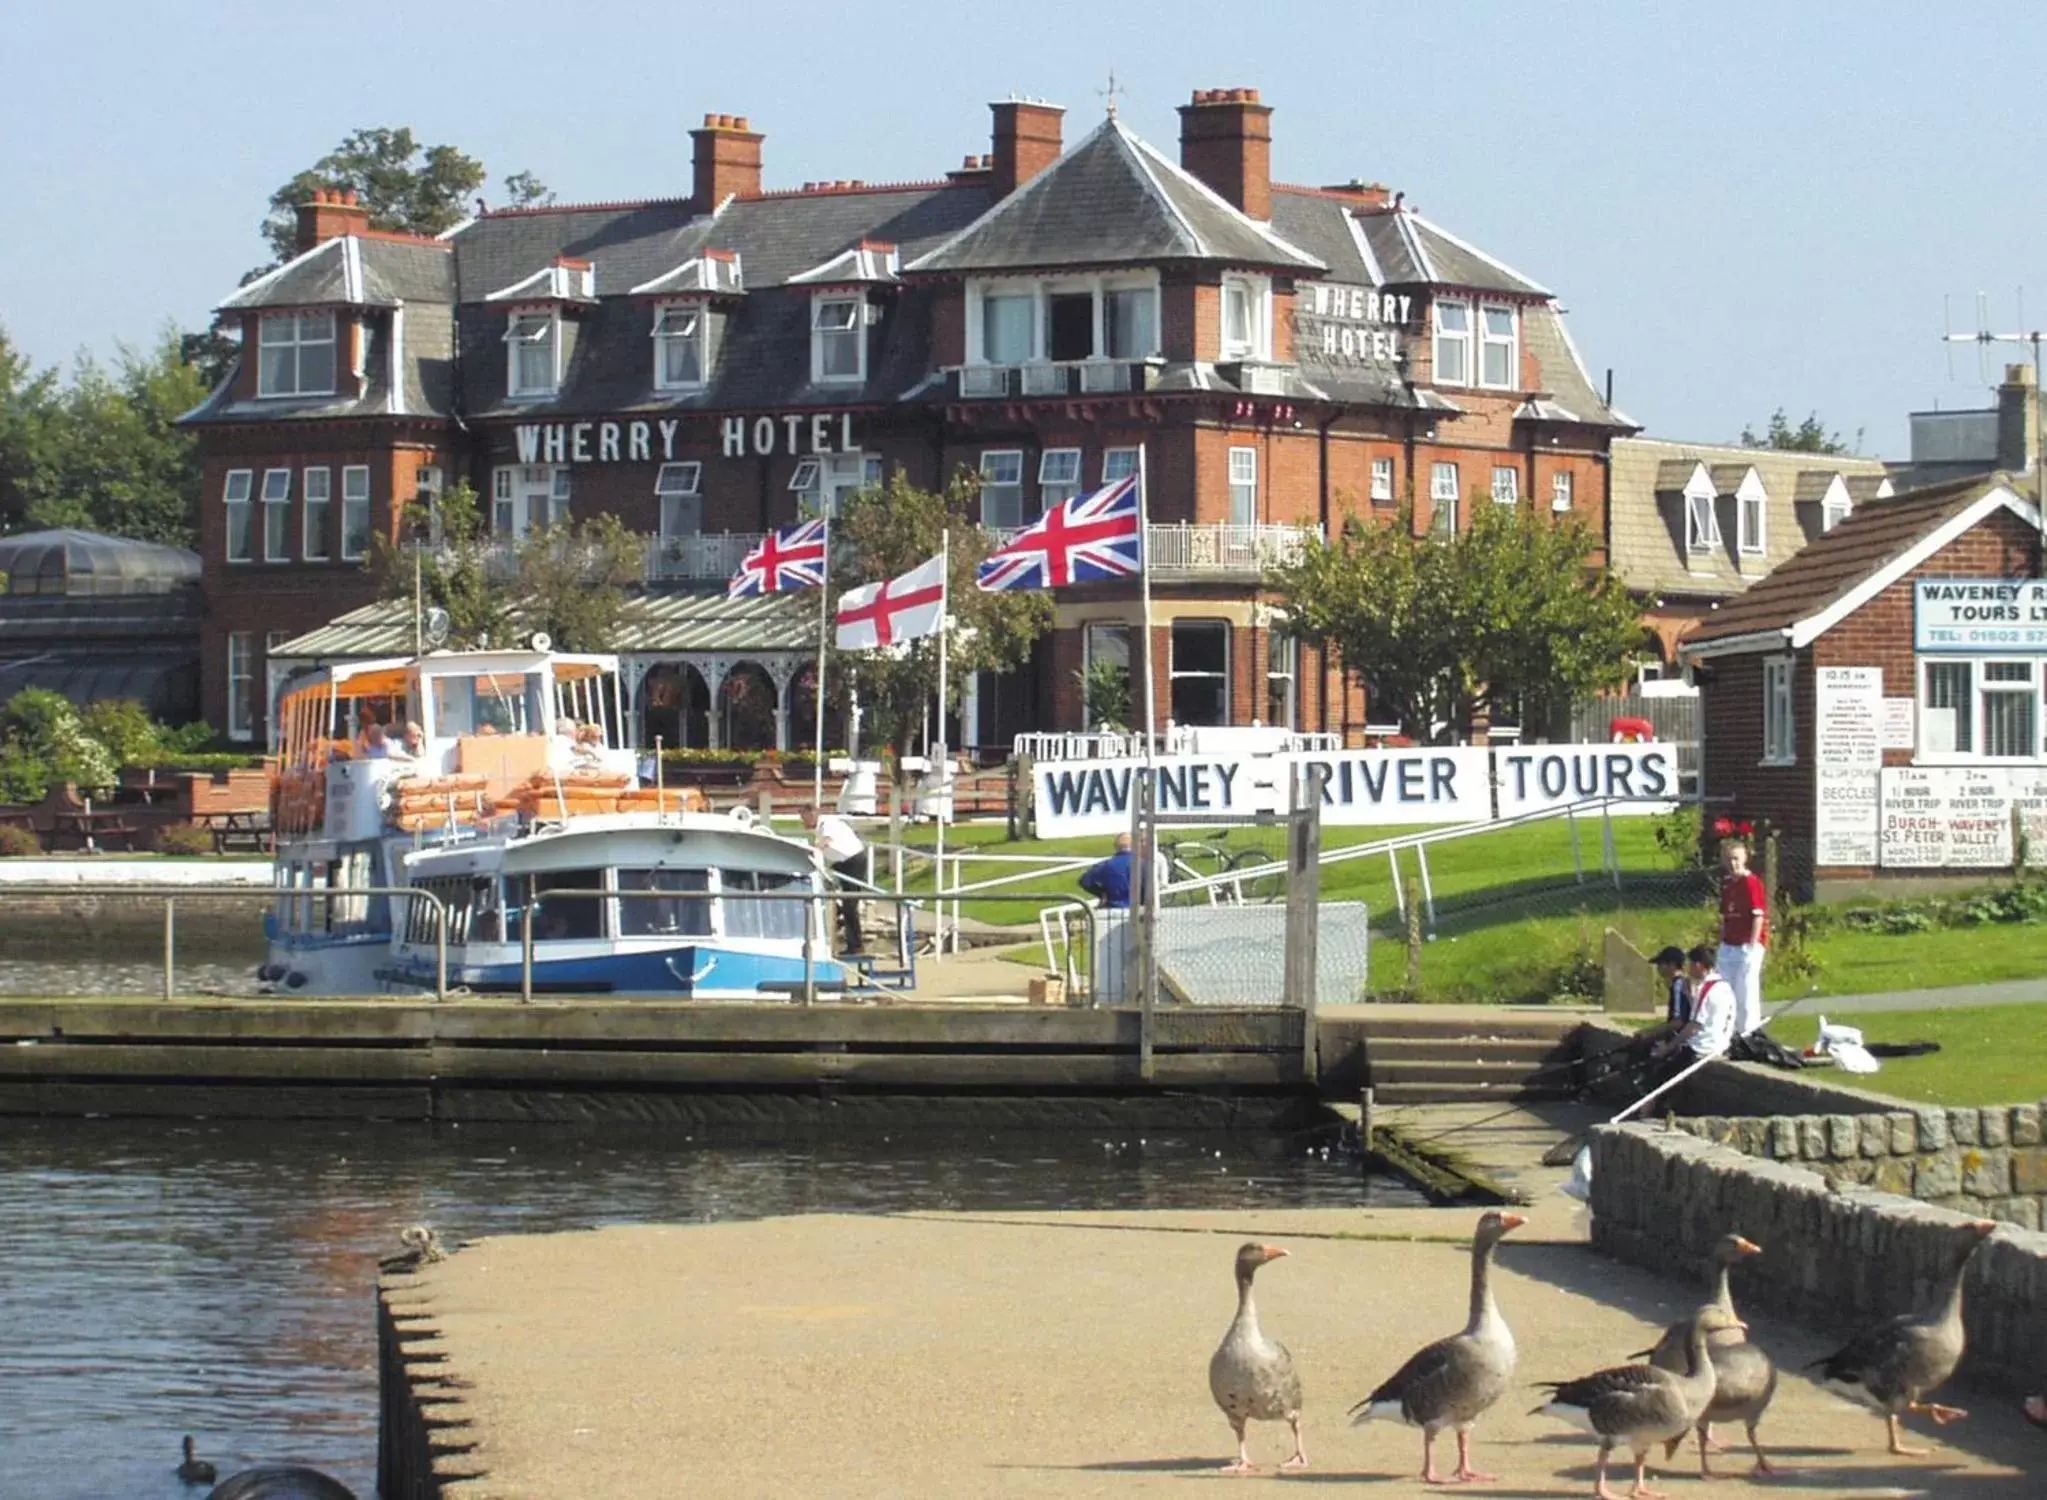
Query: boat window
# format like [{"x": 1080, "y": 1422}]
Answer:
[
  {"x": 486, "y": 917},
  {"x": 645, "y": 916},
  {"x": 568, "y": 918},
  {"x": 494, "y": 703},
  {"x": 745, "y": 918}
]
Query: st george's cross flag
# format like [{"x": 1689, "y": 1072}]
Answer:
[
  {"x": 902, "y": 609},
  {"x": 1088, "y": 538},
  {"x": 785, "y": 560}
]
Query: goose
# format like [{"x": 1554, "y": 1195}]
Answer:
[
  {"x": 1893, "y": 1366},
  {"x": 194, "y": 1470},
  {"x": 2035, "y": 1409},
  {"x": 1251, "y": 1376},
  {"x": 1641, "y": 1405},
  {"x": 281, "y": 1482},
  {"x": 1745, "y": 1378},
  {"x": 1453, "y": 1381}
]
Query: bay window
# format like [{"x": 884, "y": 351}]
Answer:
[
  {"x": 1780, "y": 742},
  {"x": 235, "y": 493},
  {"x": 1983, "y": 709},
  {"x": 678, "y": 347},
  {"x": 838, "y": 342},
  {"x": 295, "y": 354},
  {"x": 1002, "y": 489},
  {"x": 1499, "y": 349},
  {"x": 1453, "y": 343},
  {"x": 532, "y": 339}
]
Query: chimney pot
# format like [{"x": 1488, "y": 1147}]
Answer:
[
  {"x": 328, "y": 214},
  {"x": 739, "y": 122},
  {"x": 1226, "y": 141},
  {"x": 726, "y": 162}
]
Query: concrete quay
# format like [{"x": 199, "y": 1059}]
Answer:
[{"x": 1047, "y": 1354}]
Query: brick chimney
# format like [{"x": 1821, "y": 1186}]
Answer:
[
  {"x": 329, "y": 214},
  {"x": 727, "y": 161},
  {"x": 1226, "y": 141},
  {"x": 2018, "y": 420},
  {"x": 1027, "y": 140}
]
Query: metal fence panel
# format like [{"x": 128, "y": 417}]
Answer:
[{"x": 1236, "y": 955}]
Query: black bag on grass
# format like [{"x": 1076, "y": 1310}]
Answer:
[{"x": 1760, "y": 1047}]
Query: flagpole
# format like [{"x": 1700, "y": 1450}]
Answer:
[
  {"x": 939, "y": 765},
  {"x": 1144, "y": 587},
  {"x": 824, "y": 620}
]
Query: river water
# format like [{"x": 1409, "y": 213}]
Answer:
[{"x": 165, "y": 1277}]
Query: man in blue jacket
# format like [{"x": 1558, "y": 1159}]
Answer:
[{"x": 1110, "y": 880}]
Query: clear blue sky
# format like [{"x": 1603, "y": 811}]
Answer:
[{"x": 1741, "y": 205}]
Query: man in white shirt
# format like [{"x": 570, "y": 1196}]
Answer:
[
  {"x": 844, "y": 853},
  {"x": 1715, "y": 1005}
]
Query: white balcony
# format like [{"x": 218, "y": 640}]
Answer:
[
  {"x": 984, "y": 380},
  {"x": 699, "y": 557},
  {"x": 1045, "y": 380},
  {"x": 1217, "y": 549}
]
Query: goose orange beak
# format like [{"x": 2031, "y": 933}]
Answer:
[
  {"x": 1747, "y": 1247},
  {"x": 1512, "y": 1221},
  {"x": 1273, "y": 1252}
]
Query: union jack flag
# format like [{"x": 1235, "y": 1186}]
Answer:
[
  {"x": 785, "y": 560},
  {"x": 1090, "y": 537}
]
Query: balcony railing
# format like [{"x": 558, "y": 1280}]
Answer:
[
  {"x": 1088, "y": 377},
  {"x": 1218, "y": 548},
  {"x": 699, "y": 558}
]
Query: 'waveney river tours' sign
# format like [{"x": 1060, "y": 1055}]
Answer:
[
  {"x": 1360, "y": 788},
  {"x": 1979, "y": 614}
]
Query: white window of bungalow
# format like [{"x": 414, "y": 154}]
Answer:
[
  {"x": 1499, "y": 348},
  {"x": 838, "y": 339},
  {"x": 1980, "y": 709},
  {"x": 295, "y": 354},
  {"x": 1453, "y": 342},
  {"x": 1750, "y": 502},
  {"x": 1247, "y": 318},
  {"x": 1702, "y": 523},
  {"x": 678, "y": 346},
  {"x": 532, "y": 340}
]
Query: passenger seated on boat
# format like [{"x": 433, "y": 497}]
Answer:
[
  {"x": 589, "y": 752},
  {"x": 415, "y": 741},
  {"x": 374, "y": 745}
]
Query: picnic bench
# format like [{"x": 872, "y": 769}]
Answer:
[
  {"x": 91, "y": 831},
  {"x": 249, "y": 830}
]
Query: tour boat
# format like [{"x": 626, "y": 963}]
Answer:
[{"x": 496, "y": 785}]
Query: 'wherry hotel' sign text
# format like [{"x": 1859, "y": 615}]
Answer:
[{"x": 1360, "y": 788}]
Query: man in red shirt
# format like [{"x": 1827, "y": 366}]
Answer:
[{"x": 1744, "y": 932}]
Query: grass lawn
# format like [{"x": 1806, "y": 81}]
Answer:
[
  {"x": 1862, "y": 963},
  {"x": 1996, "y": 1055}
]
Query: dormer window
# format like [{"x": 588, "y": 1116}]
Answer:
[
  {"x": 838, "y": 342},
  {"x": 1499, "y": 348},
  {"x": 1247, "y": 318},
  {"x": 1453, "y": 343},
  {"x": 531, "y": 340},
  {"x": 295, "y": 354},
  {"x": 679, "y": 346}
]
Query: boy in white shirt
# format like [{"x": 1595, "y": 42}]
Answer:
[
  {"x": 1711, "y": 1029},
  {"x": 844, "y": 853}
]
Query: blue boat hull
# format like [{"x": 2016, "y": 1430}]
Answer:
[{"x": 692, "y": 970}]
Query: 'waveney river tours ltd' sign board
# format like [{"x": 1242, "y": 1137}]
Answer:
[
  {"x": 1360, "y": 788},
  {"x": 1979, "y": 614}
]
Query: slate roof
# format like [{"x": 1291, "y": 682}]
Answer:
[
  {"x": 676, "y": 623},
  {"x": 1646, "y": 516},
  {"x": 1411, "y": 251},
  {"x": 1112, "y": 200},
  {"x": 1833, "y": 565},
  {"x": 354, "y": 271}
]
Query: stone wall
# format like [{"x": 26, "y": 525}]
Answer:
[
  {"x": 1982, "y": 1162},
  {"x": 1731, "y": 1088},
  {"x": 1661, "y": 1198}
]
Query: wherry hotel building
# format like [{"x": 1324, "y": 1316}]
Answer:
[{"x": 711, "y": 363}]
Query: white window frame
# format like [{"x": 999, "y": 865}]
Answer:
[
  {"x": 1243, "y": 478},
  {"x": 1174, "y": 674},
  {"x": 561, "y": 490},
  {"x": 1285, "y": 650},
  {"x": 1382, "y": 480},
  {"x": 977, "y": 341},
  {"x": 289, "y": 330},
  {"x": 666, "y": 339},
  {"x": 1562, "y": 490},
  {"x": 1254, "y": 342},
  {"x": 855, "y": 331},
  {"x": 1008, "y": 460},
  {"x": 1117, "y": 462},
  {"x": 1488, "y": 342},
  {"x": 237, "y": 492},
  {"x": 1506, "y": 485},
  {"x": 1833, "y": 513},
  {"x": 532, "y": 327},
  {"x": 316, "y": 512},
  {"x": 1123, "y": 286},
  {"x": 1976, "y": 726},
  {"x": 355, "y": 500},
  {"x": 1446, "y": 499},
  {"x": 1058, "y": 477},
  {"x": 276, "y": 499},
  {"x": 1751, "y": 535},
  {"x": 1780, "y": 711},
  {"x": 241, "y": 684},
  {"x": 1456, "y": 340},
  {"x": 676, "y": 486},
  {"x": 1702, "y": 522}
]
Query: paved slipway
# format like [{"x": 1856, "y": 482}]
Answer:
[{"x": 1066, "y": 1355}]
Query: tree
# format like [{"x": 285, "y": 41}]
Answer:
[
  {"x": 1104, "y": 693},
  {"x": 42, "y": 741},
  {"x": 524, "y": 190},
  {"x": 450, "y": 559},
  {"x": 111, "y": 456},
  {"x": 405, "y": 185},
  {"x": 886, "y": 531},
  {"x": 1507, "y": 614},
  {"x": 571, "y": 581},
  {"x": 1809, "y": 436},
  {"x": 26, "y": 395}
]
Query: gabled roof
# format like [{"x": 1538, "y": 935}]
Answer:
[
  {"x": 869, "y": 262},
  {"x": 1112, "y": 200},
  {"x": 1836, "y": 574},
  {"x": 1729, "y": 478},
  {"x": 353, "y": 271},
  {"x": 565, "y": 281},
  {"x": 715, "y": 272},
  {"x": 1679, "y": 473},
  {"x": 1412, "y": 251}
]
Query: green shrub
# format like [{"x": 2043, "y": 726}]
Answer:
[
  {"x": 181, "y": 839},
  {"x": 201, "y": 760},
  {"x": 123, "y": 726},
  {"x": 18, "y": 843},
  {"x": 710, "y": 759}
]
